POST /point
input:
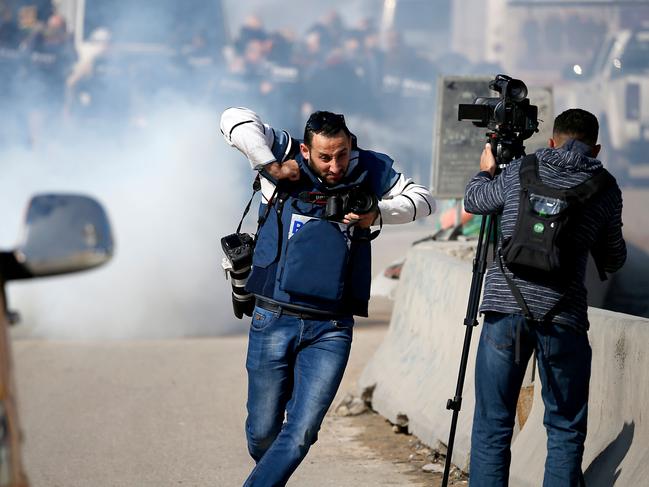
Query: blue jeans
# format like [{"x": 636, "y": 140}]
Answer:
[
  {"x": 564, "y": 358},
  {"x": 294, "y": 368}
]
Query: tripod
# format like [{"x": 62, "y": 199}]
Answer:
[{"x": 504, "y": 152}]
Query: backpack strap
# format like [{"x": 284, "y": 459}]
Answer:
[
  {"x": 528, "y": 172},
  {"x": 527, "y": 313},
  {"x": 518, "y": 296},
  {"x": 600, "y": 180}
]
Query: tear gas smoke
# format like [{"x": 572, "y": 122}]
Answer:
[{"x": 171, "y": 191}]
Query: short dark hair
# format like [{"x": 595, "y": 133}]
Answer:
[
  {"x": 324, "y": 123},
  {"x": 577, "y": 124}
]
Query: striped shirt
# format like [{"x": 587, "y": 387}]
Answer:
[{"x": 600, "y": 226}]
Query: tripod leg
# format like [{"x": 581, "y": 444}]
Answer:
[{"x": 487, "y": 230}]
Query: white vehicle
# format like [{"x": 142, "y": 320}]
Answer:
[{"x": 616, "y": 89}]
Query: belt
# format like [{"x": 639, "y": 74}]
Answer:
[{"x": 289, "y": 311}]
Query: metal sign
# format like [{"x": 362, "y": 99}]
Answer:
[
  {"x": 457, "y": 144},
  {"x": 542, "y": 98}
]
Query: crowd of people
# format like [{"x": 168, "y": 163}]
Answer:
[
  {"x": 356, "y": 69},
  {"x": 351, "y": 69},
  {"x": 37, "y": 55}
]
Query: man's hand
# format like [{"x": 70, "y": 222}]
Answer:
[
  {"x": 487, "y": 160},
  {"x": 363, "y": 221},
  {"x": 285, "y": 170}
]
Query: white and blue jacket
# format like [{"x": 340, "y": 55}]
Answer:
[{"x": 301, "y": 260}]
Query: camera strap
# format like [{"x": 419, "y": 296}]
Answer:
[
  {"x": 364, "y": 235},
  {"x": 313, "y": 197},
  {"x": 256, "y": 187},
  {"x": 375, "y": 233}
]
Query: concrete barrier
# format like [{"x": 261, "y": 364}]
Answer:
[
  {"x": 414, "y": 372},
  {"x": 618, "y": 433}
]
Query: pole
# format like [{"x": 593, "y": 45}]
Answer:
[{"x": 11, "y": 466}]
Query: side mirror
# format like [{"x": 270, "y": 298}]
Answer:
[{"x": 63, "y": 233}]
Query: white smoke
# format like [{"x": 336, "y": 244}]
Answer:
[{"x": 171, "y": 191}]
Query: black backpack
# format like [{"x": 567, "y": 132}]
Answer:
[{"x": 542, "y": 247}]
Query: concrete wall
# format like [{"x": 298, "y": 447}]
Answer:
[
  {"x": 415, "y": 368},
  {"x": 616, "y": 447},
  {"x": 414, "y": 372}
]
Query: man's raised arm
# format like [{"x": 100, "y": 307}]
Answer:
[{"x": 242, "y": 128}]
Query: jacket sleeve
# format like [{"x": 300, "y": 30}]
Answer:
[
  {"x": 610, "y": 249},
  {"x": 484, "y": 195},
  {"x": 242, "y": 128},
  {"x": 404, "y": 201}
]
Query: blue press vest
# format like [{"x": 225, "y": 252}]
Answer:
[{"x": 305, "y": 261}]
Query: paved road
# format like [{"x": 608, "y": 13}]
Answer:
[{"x": 167, "y": 413}]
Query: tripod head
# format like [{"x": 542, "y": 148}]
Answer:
[{"x": 505, "y": 148}]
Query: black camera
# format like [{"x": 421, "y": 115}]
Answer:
[
  {"x": 238, "y": 248},
  {"x": 510, "y": 117},
  {"x": 353, "y": 200}
]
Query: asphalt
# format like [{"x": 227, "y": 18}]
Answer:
[{"x": 169, "y": 413}]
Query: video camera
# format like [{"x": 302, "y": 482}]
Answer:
[{"x": 510, "y": 117}]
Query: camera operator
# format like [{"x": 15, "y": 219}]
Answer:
[
  {"x": 523, "y": 316},
  {"x": 310, "y": 273}
]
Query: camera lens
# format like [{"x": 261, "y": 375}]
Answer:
[
  {"x": 334, "y": 209},
  {"x": 243, "y": 302},
  {"x": 517, "y": 90},
  {"x": 238, "y": 248},
  {"x": 361, "y": 202}
]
